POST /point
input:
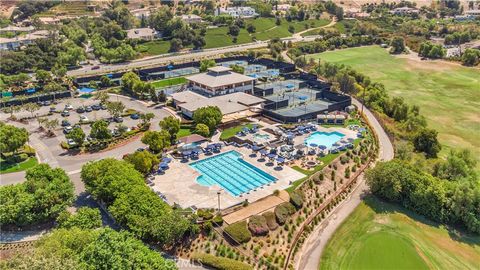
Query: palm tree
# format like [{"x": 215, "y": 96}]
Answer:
[
  {"x": 51, "y": 125},
  {"x": 32, "y": 107}
]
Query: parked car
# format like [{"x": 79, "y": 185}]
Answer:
[
  {"x": 68, "y": 107},
  {"x": 40, "y": 103},
  {"x": 65, "y": 113},
  {"x": 118, "y": 119},
  {"x": 80, "y": 110},
  {"x": 67, "y": 129},
  {"x": 103, "y": 106},
  {"x": 140, "y": 149},
  {"x": 95, "y": 67},
  {"x": 135, "y": 116},
  {"x": 83, "y": 118},
  {"x": 65, "y": 123},
  {"x": 47, "y": 103},
  {"x": 71, "y": 142},
  {"x": 88, "y": 109},
  {"x": 53, "y": 109},
  {"x": 96, "y": 107}
]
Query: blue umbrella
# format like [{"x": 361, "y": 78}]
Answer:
[
  {"x": 323, "y": 147},
  {"x": 187, "y": 153},
  {"x": 271, "y": 155},
  {"x": 256, "y": 148},
  {"x": 163, "y": 165},
  {"x": 263, "y": 152},
  {"x": 280, "y": 159},
  {"x": 166, "y": 159},
  {"x": 313, "y": 145}
]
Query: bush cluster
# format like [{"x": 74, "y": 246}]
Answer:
[
  {"x": 258, "y": 225},
  {"x": 283, "y": 211},
  {"x": 271, "y": 221},
  {"x": 219, "y": 263},
  {"x": 238, "y": 231},
  {"x": 296, "y": 198}
]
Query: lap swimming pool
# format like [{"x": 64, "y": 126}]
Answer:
[
  {"x": 324, "y": 138},
  {"x": 229, "y": 171}
]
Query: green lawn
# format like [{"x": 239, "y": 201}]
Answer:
[
  {"x": 169, "y": 82},
  {"x": 155, "y": 47},
  {"x": 379, "y": 235},
  {"x": 185, "y": 131},
  {"x": 447, "y": 94},
  {"x": 218, "y": 37},
  {"x": 9, "y": 168},
  {"x": 230, "y": 132},
  {"x": 267, "y": 29}
]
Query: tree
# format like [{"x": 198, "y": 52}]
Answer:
[
  {"x": 210, "y": 116},
  {"x": 128, "y": 80},
  {"x": 105, "y": 81},
  {"x": 102, "y": 96},
  {"x": 471, "y": 57},
  {"x": 160, "y": 18},
  {"x": 339, "y": 13},
  {"x": 198, "y": 42},
  {"x": 84, "y": 218},
  {"x": 115, "y": 108},
  {"x": 59, "y": 71},
  {"x": 172, "y": 125},
  {"x": 233, "y": 30},
  {"x": 100, "y": 130},
  {"x": 143, "y": 161},
  {"x": 459, "y": 165},
  {"x": 156, "y": 140},
  {"x": 77, "y": 135},
  {"x": 45, "y": 193},
  {"x": 12, "y": 138},
  {"x": 346, "y": 83},
  {"x": 251, "y": 28},
  {"x": 51, "y": 125},
  {"x": 238, "y": 69},
  {"x": 31, "y": 108},
  {"x": 291, "y": 29},
  {"x": 202, "y": 130},
  {"x": 175, "y": 45},
  {"x": 54, "y": 87},
  {"x": 426, "y": 141},
  {"x": 43, "y": 76},
  {"x": 146, "y": 117},
  {"x": 205, "y": 64},
  {"x": 398, "y": 45}
]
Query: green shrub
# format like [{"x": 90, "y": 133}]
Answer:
[
  {"x": 271, "y": 222},
  {"x": 20, "y": 158},
  {"x": 217, "y": 220},
  {"x": 258, "y": 225},
  {"x": 204, "y": 214},
  {"x": 283, "y": 211},
  {"x": 296, "y": 198},
  {"x": 219, "y": 263},
  {"x": 238, "y": 231},
  {"x": 30, "y": 151}
]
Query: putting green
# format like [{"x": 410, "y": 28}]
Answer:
[
  {"x": 380, "y": 235},
  {"x": 448, "y": 94},
  {"x": 383, "y": 250}
]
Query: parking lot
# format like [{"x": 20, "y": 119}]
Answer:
[{"x": 95, "y": 113}]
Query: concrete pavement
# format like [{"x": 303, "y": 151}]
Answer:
[{"x": 309, "y": 256}]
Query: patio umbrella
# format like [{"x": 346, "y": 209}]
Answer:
[
  {"x": 271, "y": 156},
  {"x": 313, "y": 145},
  {"x": 323, "y": 147},
  {"x": 263, "y": 152},
  {"x": 280, "y": 159},
  {"x": 256, "y": 148},
  {"x": 350, "y": 139},
  {"x": 166, "y": 159},
  {"x": 186, "y": 153},
  {"x": 245, "y": 129},
  {"x": 163, "y": 165},
  {"x": 219, "y": 145}
]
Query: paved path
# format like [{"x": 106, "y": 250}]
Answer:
[
  {"x": 330, "y": 24},
  {"x": 309, "y": 256}
]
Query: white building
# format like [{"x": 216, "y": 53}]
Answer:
[
  {"x": 404, "y": 11},
  {"x": 283, "y": 7},
  {"x": 142, "y": 12},
  {"x": 220, "y": 81},
  {"x": 191, "y": 18},
  {"x": 237, "y": 12},
  {"x": 141, "y": 33},
  {"x": 19, "y": 41}
]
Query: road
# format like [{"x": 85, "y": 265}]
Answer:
[
  {"x": 310, "y": 255},
  {"x": 186, "y": 55}
]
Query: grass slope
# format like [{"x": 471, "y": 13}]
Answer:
[
  {"x": 448, "y": 94},
  {"x": 9, "y": 168},
  {"x": 379, "y": 235}
]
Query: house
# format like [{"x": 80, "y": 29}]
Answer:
[
  {"x": 19, "y": 41},
  {"x": 283, "y": 7},
  {"x": 191, "y": 18},
  {"x": 404, "y": 11},
  {"x": 220, "y": 80},
  {"x": 141, "y": 13},
  {"x": 237, "y": 12},
  {"x": 141, "y": 33}
]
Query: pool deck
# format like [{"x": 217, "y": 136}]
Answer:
[
  {"x": 179, "y": 184},
  {"x": 347, "y": 132}
]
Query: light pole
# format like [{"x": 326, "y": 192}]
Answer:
[{"x": 218, "y": 195}]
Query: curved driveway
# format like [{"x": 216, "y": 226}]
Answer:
[{"x": 309, "y": 256}]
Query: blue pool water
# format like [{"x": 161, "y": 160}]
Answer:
[
  {"x": 324, "y": 138},
  {"x": 229, "y": 171}
]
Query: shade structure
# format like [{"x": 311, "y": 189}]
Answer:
[
  {"x": 187, "y": 153},
  {"x": 323, "y": 147},
  {"x": 271, "y": 155},
  {"x": 290, "y": 85},
  {"x": 166, "y": 159},
  {"x": 256, "y": 148},
  {"x": 303, "y": 97},
  {"x": 263, "y": 151},
  {"x": 280, "y": 159},
  {"x": 313, "y": 145},
  {"x": 86, "y": 90}
]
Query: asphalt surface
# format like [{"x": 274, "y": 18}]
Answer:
[{"x": 310, "y": 255}]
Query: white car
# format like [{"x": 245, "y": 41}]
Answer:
[
  {"x": 83, "y": 118},
  {"x": 71, "y": 142},
  {"x": 68, "y": 107}
]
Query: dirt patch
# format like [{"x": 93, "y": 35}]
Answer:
[{"x": 382, "y": 219}]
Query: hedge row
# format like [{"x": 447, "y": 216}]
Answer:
[
  {"x": 238, "y": 231},
  {"x": 219, "y": 263}
]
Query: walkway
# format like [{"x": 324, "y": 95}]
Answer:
[{"x": 309, "y": 257}]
